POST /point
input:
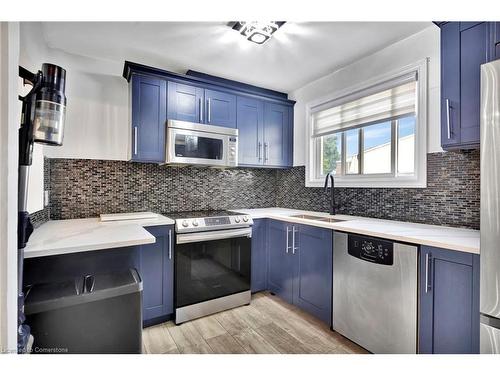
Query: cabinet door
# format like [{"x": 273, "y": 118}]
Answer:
[
  {"x": 312, "y": 289},
  {"x": 157, "y": 274},
  {"x": 220, "y": 109},
  {"x": 449, "y": 301},
  {"x": 473, "y": 53},
  {"x": 259, "y": 256},
  {"x": 185, "y": 102},
  {"x": 450, "y": 84},
  {"x": 149, "y": 101},
  {"x": 494, "y": 41},
  {"x": 250, "y": 124},
  {"x": 280, "y": 261},
  {"x": 277, "y": 135}
]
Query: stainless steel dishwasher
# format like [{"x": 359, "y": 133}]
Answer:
[{"x": 375, "y": 293}]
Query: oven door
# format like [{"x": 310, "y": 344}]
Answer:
[
  {"x": 186, "y": 146},
  {"x": 211, "y": 265}
]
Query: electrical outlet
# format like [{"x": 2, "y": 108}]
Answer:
[{"x": 45, "y": 198}]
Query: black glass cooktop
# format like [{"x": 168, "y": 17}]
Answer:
[{"x": 200, "y": 214}]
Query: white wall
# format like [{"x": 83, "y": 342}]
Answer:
[
  {"x": 416, "y": 47},
  {"x": 9, "y": 123},
  {"x": 32, "y": 54}
]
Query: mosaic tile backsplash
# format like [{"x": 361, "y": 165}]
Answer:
[
  {"x": 451, "y": 197},
  {"x": 86, "y": 188}
]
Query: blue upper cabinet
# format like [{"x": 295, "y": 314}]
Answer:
[
  {"x": 185, "y": 102},
  {"x": 313, "y": 270},
  {"x": 250, "y": 124},
  {"x": 449, "y": 302},
  {"x": 156, "y": 268},
  {"x": 278, "y": 135},
  {"x": 464, "y": 47},
  {"x": 220, "y": 109},
  {"x": 259, "y": 255},
  {"x": 264, "y": 118},
  {"x": 149, "y": 105},
  {"x": 494, "y": 40}
]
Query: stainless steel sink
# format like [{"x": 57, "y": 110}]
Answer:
[{"x": 318, "y": 218}]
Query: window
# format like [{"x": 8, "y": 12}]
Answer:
[{"x": 373, "y": 136}]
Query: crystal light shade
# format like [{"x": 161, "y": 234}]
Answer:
[{"x": 256, "y": 31}]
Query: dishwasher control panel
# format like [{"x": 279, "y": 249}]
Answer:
[{"x": 371, "y": 249}]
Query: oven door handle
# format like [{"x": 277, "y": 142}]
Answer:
[{"x": 213, "y": 235}]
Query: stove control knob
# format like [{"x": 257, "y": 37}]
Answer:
[
  {"x": 237, "y": 219},
  {"x": 185, "y": 223},
  {"x": 195, "y": 223},
  {"x": 245, "y": 218}
]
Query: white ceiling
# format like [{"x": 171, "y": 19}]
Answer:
[{"x": 298, "y": 53}]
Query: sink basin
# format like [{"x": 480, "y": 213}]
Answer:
[{"x": 318, "y": 218}]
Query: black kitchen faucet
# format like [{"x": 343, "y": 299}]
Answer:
[{"x": 332, "y": 202}]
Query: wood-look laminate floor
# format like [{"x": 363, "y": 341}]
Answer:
[{"x": 267, "y": 325}]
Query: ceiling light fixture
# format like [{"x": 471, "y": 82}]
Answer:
[{"x": 255, "y": 31}]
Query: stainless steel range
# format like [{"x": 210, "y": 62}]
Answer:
[{"x": 212, "y": 262}]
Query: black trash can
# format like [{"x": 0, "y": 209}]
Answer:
[{"x": 91, "y": 314}]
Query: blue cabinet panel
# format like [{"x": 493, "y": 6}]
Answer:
[
  {"x": 494, "y": 41},
  {"x": 149, "y": 101},
  {"x": 250, "y": 124},
  {"x": 156, "y": 268},
  {"x": 220, "y": 109},
  {"x": 300, "y": 266},
  {"x": 185, "y": 103},
  {"x": 473, "y": 53},
  {"x": 278, "y": 139},
  {"x": 313, "y": 270},
  {"x": 464, "y": 47},
  {"x": 450, "y": 84},
  {"x": 449, "y": 301},
  {"x": 259, "y": 256},
  {"x": 280, "y": 261}
]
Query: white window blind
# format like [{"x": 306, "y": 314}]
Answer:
[{"x": 400, "y": 99}]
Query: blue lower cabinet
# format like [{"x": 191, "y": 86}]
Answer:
[
  {"x": 313, "y": 270},
  {"x": 156, "y": 268},
  {"x": 449, "y": 302},
  {"x": 259, "y": 256},
  {"x": 280, "y": 261},
  {"x": 300, "y": 266}
]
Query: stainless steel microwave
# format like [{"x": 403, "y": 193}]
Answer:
[{"x": 199, "y": 144}]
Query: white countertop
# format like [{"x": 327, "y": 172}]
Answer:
[
  {"x": 466, "y": 240},
  {"x": 57, "y": 237}
]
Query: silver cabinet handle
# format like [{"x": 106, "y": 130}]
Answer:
[
  {"x": 201, "y": 110},
  {"x": 428, "y": 260},
  {"x": 287, "y": 232},
  {"x": 170, "y": 244},
  {"x": 293, "y": 239},
  {"x": 448, "y": 126},
  {"x": 266, "y": 151},
  {"x": 259, "y": 150},
  {"x": 208, "y": 111},
  {"x": 135, "y": 140}
]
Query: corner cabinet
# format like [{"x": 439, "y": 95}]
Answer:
[
  {"x": 449, "y": 302},
  {"x": 300, "y": 266},
  {"x": 264, "y": 118},
  {"x": 464, "y": 47},
  {"x": 156, "y": 268},
  {"x": 149, "y": 117}
]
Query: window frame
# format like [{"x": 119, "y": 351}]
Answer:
[{"x": 383, "y": 180}]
